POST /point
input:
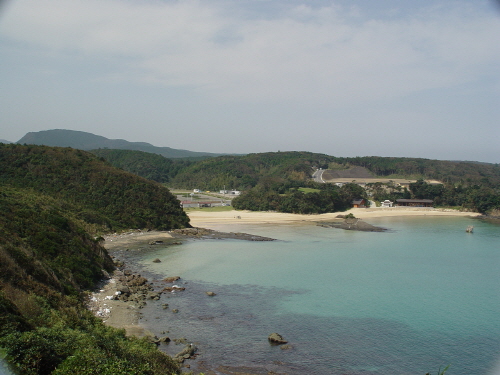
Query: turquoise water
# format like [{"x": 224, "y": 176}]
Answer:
[{"x": 422, "y": 295}]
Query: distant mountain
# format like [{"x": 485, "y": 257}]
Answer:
[
  {"x": 88, "y": 141},
  {"x": 4, "y": 141}
]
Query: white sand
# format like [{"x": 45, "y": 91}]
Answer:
[{"x": 200, "y": 218}]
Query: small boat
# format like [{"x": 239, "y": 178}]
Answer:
[{"x": 470, "y": 229}]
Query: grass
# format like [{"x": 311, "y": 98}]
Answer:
[{"x": 308, "y": 190}]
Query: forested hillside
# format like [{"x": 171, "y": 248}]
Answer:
[
  {"x": 415, "y": 168},
  {"x": 54, "y": 204},
  {"x": 151, "y": 166},
  {"x": 101, "y": 194},
  {"x": 244, "y": 172}
]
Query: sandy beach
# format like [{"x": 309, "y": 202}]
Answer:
[{"x": 206, "y": 219}]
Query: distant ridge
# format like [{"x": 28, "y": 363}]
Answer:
[
  {"x": 88, "y": 141},
  {"x": 4, "y": 141}
]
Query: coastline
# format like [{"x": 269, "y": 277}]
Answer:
[
  {"x": 117, "y": 313},
  {"x": 127, "y": 315},
  {"x": 208, "y": 218}
]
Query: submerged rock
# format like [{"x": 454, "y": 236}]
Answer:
[
  {"x": 185, "y": 353},
  {"x": 352, "y": 224},
  {"x": 171, "y": 279},
  {"x": 276, "y": 338}
]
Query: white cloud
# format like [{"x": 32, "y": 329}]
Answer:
[
  {"x": 323, "y": 55},
  {"x": 266, "y": 65}
]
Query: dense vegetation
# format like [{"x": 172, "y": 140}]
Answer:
[
  {"x": 291, "y": 197},
  {"x": 54, "y": 202},
  {"x": 151, "y": 166},
  {"x": 102, "y": 194},
  {"x": 451, "y": 172},
  {"x": 474, "y": 197},
  {"x": 271, "y": 179},
  {"x": 245, "y": 172}
]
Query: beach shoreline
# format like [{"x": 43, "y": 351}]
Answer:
[{"x": 207, "y": 218}]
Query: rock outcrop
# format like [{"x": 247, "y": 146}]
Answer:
[{"x": 276, "y": 338}]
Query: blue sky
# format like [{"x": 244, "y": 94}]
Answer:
[{"x": 345, "y": 78}]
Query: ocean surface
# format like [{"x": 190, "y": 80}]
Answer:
[{"x": 423, "y": 295}]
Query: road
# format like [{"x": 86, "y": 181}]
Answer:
[{"x": 318, "y": 176}]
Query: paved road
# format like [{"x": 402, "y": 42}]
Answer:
[{"x": 318, "y": 176}]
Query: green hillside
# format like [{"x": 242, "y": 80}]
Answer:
[
  {"x": 414, "y": 168},
  {"x": 102, "y": 194},
  {"x": 151, "y": 166},
  {"x": 47, "y": 259},
  {"x": 244, "y": 172},
  {"x": 54, "y": 203}
]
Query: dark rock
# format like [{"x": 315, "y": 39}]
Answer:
[
  {"x": 352, "y": 224},
  {"x": 276, "y": 338},
  {"x": 185, "y": 353},
  {"x": 212, "y": 234},
  {"x": 154, "y": 295},
  {"x": 171, "y": 279},
  {"x": 156, "y": 260},
  {"x": 158, "y": 242}
]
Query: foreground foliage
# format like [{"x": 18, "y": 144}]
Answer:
[{"x": 53, "y": 203}]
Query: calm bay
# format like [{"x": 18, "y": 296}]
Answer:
[{"x": 420, "y": 296}]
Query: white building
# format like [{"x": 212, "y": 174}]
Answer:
[
  {"x": 386, "y": 203},
  {"x": 196, "y": 191}
]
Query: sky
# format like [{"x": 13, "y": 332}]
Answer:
[{"x": 410, "y": 78}]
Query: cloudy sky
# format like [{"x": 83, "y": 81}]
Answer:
[{"x": 415, "y": 78}]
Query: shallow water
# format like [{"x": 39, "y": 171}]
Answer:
[{"x": 424, "y": 294}]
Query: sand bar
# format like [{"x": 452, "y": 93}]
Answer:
[{"x": 200, "y": 218}]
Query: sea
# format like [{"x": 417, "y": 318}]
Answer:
[{"x": 411, "y": 300}]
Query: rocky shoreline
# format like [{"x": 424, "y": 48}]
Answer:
[
  {"x": 351, "y": 224},
  {"x": 120, "y": 300},
  {"x": 202, "y": 233},
  {"x": 126, "y": 292}
]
